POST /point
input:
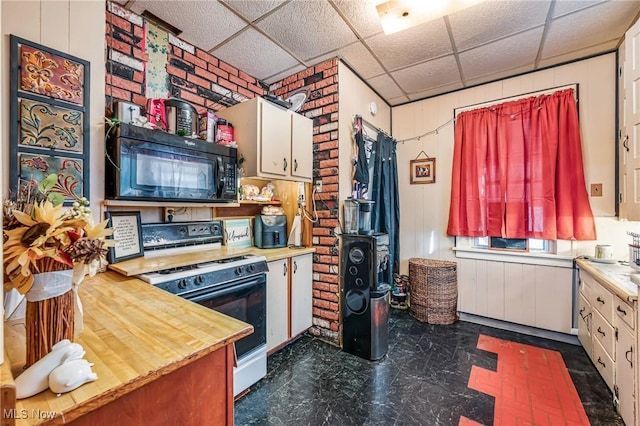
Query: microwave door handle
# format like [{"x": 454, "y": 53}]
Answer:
[{"x": 219, "y": 177}]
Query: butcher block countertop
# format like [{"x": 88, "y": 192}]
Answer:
[
  {"x": 141, "y": 265},
  {"x": 133, "y": 333},
  {"x": 615, "y": 277}
]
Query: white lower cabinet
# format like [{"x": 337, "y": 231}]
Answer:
[
  {"x": 277, "y": 303},
  {"x": 625, "y": 372},
  {"x": 606, "y": 330},
  {"x": 301, "y": 293},
  {"x": 289, "y": 298}
]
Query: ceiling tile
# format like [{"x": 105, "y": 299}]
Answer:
[
  {"x": 385, "y": 86},
  {"x": 362, "y": 15},
  {"x": 397, "y": 101},
  {"x": 506, "y": 54},
  {"x": 587, "y": 28},
  {"x": 411, "y": 46},
  {"x": 203, "y": 23},
  {"x": 265, "y": 58},
  {"x": 312, "y": 28},
  {"x": 357, "y": 57},
  {"x": 253, "y": 9},
  {"x": 578, "y": 54},
  {"x": 438, "y": 72},
  {"x": 492, "y": 20},
  {"x": 499, "y": 75},
  {"x": 435, "y": 91},
  {"x": 567, "y": 6}
]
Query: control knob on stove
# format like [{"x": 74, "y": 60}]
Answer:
[
  {"x": 199, "y": 280},
  {"x": 239, "y": 270},
  {"x": 182, "y": 284},
  {"x": 251, "y": 267}
]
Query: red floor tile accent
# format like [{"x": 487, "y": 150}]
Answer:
[{"x": 531, "y": 385}]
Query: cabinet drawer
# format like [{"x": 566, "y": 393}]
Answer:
[
  {"x": 624, "y": 312},
  {"x": 585, "y": 285},
  {"x": 602, "y": 301},
  {"x": 602, "y": 331},
  {"x": 603, "y": 363}
]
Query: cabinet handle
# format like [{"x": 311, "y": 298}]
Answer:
[
  {"x": 600, "y": 300},
  {"x": 601, "y": 363},
  {"x": 625, "y": 144},
  {"x": 285, "y": 269},
  {"x": 295, "y": 165},
  {"x": 601, "y": 332},
  {"x": 285, "y": 164},
  {"x": 626, "y": 355},
  {"x": 621, "y": 310},
  {"x": 582, "y": 310},
  {"x": 295, "y": 266}
]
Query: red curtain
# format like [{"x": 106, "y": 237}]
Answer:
[{"x": 517, "y": 172}]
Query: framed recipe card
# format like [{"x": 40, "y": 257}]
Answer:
[{"x": 127, "y": 231}]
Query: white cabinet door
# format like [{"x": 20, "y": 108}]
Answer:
[
  {"x": 625, "y": 372},
  {"x": 301, "y": 293},
  {"x": 275, "y": 138},
  {"x": 585, "y": 317},
  {"x": 632, "y": 121},
  {"x": 301, "y": 147},
  {"x": 277, "y": 303}
]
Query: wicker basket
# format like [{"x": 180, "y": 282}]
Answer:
[{"x": 434, "y": 290}]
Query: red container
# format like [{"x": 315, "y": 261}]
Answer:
[{"x": 224, "y": 132}]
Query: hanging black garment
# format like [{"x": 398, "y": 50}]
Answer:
[
  {"x": 386, "y": 211},
  {"x": 362, "y": 172}
]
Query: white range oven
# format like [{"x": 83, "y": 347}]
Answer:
[{"x": 234, "y": 286}]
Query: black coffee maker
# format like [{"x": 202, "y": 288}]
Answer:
[{"x": 270, "y": 231}]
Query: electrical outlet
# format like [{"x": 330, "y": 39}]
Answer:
[
  {"x": 318, "y": 186},
  {"x": 177, "y": 214},
  {"x": 596, "y": 190}
]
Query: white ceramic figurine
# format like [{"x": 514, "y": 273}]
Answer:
[
  {"x": 35, "y": 379},
  {"x": 71, "y": 375}
]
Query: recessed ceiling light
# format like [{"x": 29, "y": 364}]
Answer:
[{"x": 398, "y": 15}]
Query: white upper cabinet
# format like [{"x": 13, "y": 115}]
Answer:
[{"x": 276, "y": 143}]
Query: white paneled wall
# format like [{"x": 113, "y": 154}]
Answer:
[{"x": 532, "y": 295}]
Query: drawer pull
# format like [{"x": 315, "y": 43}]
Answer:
[
  {"x": 601, "y": 363},
  {"x": 600, "y": 300},
  {"x": 601, "y": 332},
  {"x": 621, "y": 310},
  {"x": 626, "y": 355}
]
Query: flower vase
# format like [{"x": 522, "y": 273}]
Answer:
[{"x": 49, "y": 314}]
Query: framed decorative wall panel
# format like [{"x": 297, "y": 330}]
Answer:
[{"x": 49, "y": 118}]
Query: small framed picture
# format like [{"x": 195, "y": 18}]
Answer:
[
  {"x": 237, "y": 233},
  {"x": 423, "y": 170},
  {"x": 127, "y": 231}
]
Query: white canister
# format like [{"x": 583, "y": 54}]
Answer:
[{"x": 604, "y": 251}]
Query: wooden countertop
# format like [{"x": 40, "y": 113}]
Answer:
[
  {"x": 143, "y": 265},
  {"x": 133, "y": 333},
  {"x": 614, "y": 277}
]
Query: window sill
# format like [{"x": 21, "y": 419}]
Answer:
[{"x": 542, "y": 259}]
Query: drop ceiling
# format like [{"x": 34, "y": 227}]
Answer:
[{"x": 272, "y": 39}]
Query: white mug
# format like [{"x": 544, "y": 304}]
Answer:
[{"x": 604, "y": 251}]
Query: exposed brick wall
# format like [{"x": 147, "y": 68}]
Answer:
[
  {"x": 193, "y": 74},
  {"x": 322, "y": 106}
]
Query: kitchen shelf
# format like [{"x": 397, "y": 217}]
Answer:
[
  {"x": 127, "y": 203},
  {"x": 273, "y": 202}
]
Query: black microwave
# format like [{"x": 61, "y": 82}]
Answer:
[{"x": 151, "y": 165}]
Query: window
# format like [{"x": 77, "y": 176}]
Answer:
[{"x": 515, "y": 244}]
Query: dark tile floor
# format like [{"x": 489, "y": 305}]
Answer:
[{"x": 421, "y": 381}]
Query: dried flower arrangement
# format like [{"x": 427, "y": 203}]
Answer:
[{"x": 47, "y": 251}]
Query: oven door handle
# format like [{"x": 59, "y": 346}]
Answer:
[{"x": 231, "y": 288}]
